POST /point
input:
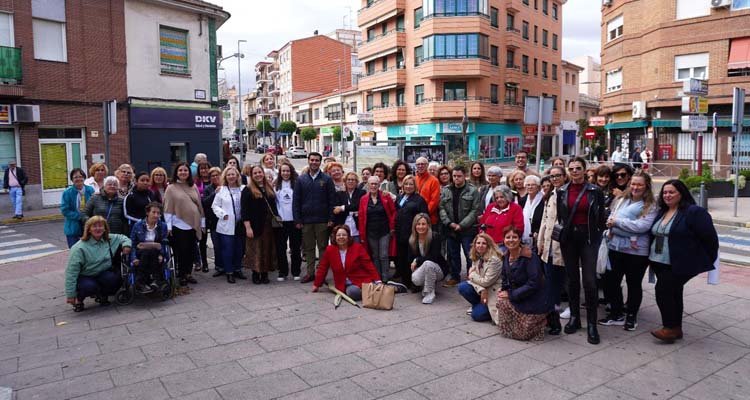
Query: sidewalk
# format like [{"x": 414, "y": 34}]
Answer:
[
  {"x": 45, "y": 214},
  {"x": 722, "y": 211}
]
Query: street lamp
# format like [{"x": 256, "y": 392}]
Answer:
[
  {"x": 239, "y": 102},
  {"x": 464, "y": 129}
]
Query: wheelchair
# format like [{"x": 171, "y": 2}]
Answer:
[{"x": 167, "y": 290}]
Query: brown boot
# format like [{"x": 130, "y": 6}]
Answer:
[
  {"x": 678, "y": 332},
  {"x": 667, "y": 335}
]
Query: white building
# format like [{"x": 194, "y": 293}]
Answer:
[{"x": 323, "y": 113}]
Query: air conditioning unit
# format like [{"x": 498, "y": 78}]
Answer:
[
  {"x": 639, "y": 109},
  {"x": 25, "y": 113},
  {"x": 721, "y": 3},
  {"x": 606, "y": 3}
]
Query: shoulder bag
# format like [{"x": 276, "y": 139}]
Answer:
[
  {"x": 239, "y": 226},
  {"x": 560, "y": 231},
  {"x": 276, "y": 221},
  {"x": 378, "y": 296}
]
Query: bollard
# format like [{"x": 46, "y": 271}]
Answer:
[{"x": 703, "y": 200}]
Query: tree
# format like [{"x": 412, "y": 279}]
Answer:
[
  {"x": 337, "y": 135},
  {"x": 288, "y": 127},
  {"x": 308, "y": 134},
  {"x": 264, "y": 126}
]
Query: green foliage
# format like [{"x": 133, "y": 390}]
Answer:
[
  {"x": 264, "y": 126},
  {"x": 684, "y": 173},
  {"x": 288, "y": 127},
  {"x": 707, "y": 172},
  {"x": 695, "y": 181},
  {"x": 456, "y": 158},
  {"x": 308, "y": 134},
  {"x": 337, "y": 135},
  {"x": 745, "y": 173}
]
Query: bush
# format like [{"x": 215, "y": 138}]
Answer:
[
  {"x": 745, "y": 173},
  {"x": 695, "y": 181},
  {"x": 707, "y": 172},
  {"x": 684, "y": 173}
]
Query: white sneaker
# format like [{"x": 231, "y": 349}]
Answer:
[
  {"x": 296, "y": 278},
  {"x": 428, "y": 298},
  {"x": 565, "y": 314},
  {"x": 280, "y": 279},
  {"x": 469, "y": 310}
]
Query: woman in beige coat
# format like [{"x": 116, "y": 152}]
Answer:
[
  {"x": 549, "y": 252},
  {"x": 483, "y": 279}
]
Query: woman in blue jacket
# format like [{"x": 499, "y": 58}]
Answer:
[
  {"x": 73, "y": 206},
  {"x": 685, "y": 244}
]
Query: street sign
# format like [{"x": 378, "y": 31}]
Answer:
[
  {"x": 597, "y": 121},
  {"x": 531, "y": 110},
  {"x": 695, "y": 105},
  {"x": 590, "y": 133},
  {"x": 694, "y": 123},
  {"x": 275, "y": 123},
  {"x": 696, "y": 87}
]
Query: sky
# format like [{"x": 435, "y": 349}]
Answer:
[{"x": 268, "y": 25}]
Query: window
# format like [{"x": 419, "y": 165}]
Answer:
[
  {"x": 370, "y": 67},
  {"x": 524, "y": 95},
  {"x": 614, "y": 28},
  {"x": 466, "y": 45},
  {"x": 369, "y": 103},
  {"x": 572, "y": 106},
  {"x": 567, "y": 78},
  {"x": 692, "y": 8},
  {"x": 454, "y": 91},
  {"x": 400, "y": 102},
  {"x": 173, "y": 44},
  {"x": 494, "y": 17},
  {"x": 353, "y": 108},
  {"x": 400, "y": 59},
  {"x": 6, "y": 30},
  {"x": 536, "y": 70},
  {"x": 567, "y": 105},
  {"x": 444, "y": 8},
  {"x": 48, "y": 25},
  {"x": 740, "y": 4},
  {"x": 545, "y": 7},
  {"x": 536, "y": 4},
  {"x": 554, "y": 102},
  {"x": 573, "y": 79},
  {"x": 554, "y": 72},
  {"x": 536, "y": 34},
  {"x": 691, "y": 66},
  {"x": 418, "y": 15},
  {"x": 400, "y": 23},
  {"x": 554, "y": 41},
  {"x": 7, "y": 149},
  {"x": 316, "y": 113},
  {"x": 384, "y": 28},
  {"x": 332, "y": 111},
  {"x": 554, "y": 11},
  {"x": 385, "y": 64},
  {"x": 525, "y": 64},
  {"x": 545, "y": 38},
  {"x": 526, "y": 2},
  {"x": 544, "y": 69},
  {"x": 525, "y": 30},
  {"x": 493, "y": 94},
  {"x": 371, "y": 34},
  {"x": 418, "y": 56},
  {"x": 510, "y": 21},
  {"x": 384, "y": 99},
  {"x": 418, "y": 94},
  {"x": 511, "y": 59},
  {"x": 493, "y": 55},
  {"x": 614, "y": 80},
  {"x": 511, "y": 94}
]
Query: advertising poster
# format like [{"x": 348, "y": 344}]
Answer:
[
  {"x": 434, "y": 152},
  {"x": 367, "y": 156},
  {"x": 5, "y": 114}
]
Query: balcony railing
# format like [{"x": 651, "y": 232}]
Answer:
[
  {"x": 456, "y": 14},
  {"x": 10, "y": 65},
  {"x": 378, "y": 71},
  {"x": 376, "y": 37}
]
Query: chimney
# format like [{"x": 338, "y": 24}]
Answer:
[{"x": 315, "y": 33}]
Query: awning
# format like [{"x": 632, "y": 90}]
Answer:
[
  {"x": 676, "y": 123},
  {"x": 627, "y": 125},
  {"x": 739, "y": 54}
]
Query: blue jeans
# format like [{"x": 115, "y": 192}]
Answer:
[
  {"x": 72, "y": 239},
  {"x": 454, "y": 254},
  {"x": 218, "y": 259},
  {"x": 555, "y": 279},
  {"x": 104, "y": 284},
  {"x": 16, "y": 199},
  {"x": 354, "y": 292},
  {"x": 232, "y": 249},
  {"x": 479, "y": 312}
]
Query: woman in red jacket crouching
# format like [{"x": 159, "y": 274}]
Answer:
[{"x": 350, "y": 264}]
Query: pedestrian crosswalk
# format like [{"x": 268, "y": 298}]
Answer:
[
  {"x": 734, "y": 245},
  {"x": 16, "y": 246}
]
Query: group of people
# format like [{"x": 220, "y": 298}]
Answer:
[{"x": 529, "y": 240}]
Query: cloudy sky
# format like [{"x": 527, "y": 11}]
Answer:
[{"x": 268, "y": 25}]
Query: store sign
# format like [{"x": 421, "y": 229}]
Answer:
[
  {"x": 597, "y": 121},
  {"x": 666, "y": 152},
  {"x": 455, "y": 127},
  {"x": 5, "y": 115},
  {"x": 695, "y": 87},
  {"x": 694, "y": 105},
  {"x": 160, "y": 118},
  {"x": 694, "y": 123},
  {"x": 530, "y": 130}
]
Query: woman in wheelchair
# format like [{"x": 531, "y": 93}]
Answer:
[
  {"x": 90, "y": 270},
  {"x": 149, "y": 238}
]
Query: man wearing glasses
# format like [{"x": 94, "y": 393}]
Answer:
[{"x": 522, "y": 163}]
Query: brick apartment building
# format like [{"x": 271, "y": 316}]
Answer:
[
  {"x": 58, "y": 63},
  {"x": 427, "y": 60},
  {"x": 570, "y": 108},
  {"x": 648, "y": 49}
]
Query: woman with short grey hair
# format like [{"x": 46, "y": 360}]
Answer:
[
  {"x": 505, "y": 191},
  {"x": 494, "y": 174},
  {"x": 532, "y": 183},
  {"x": 109, "y": 205}
]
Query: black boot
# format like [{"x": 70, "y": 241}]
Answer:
[
  {"x": 255, "y": 278},
  {"x": 553, "y": 321},
  {"x": 592, "y": 332},
  {"x": 574, "y": 323},
  {"x": 264, "y": 278}
]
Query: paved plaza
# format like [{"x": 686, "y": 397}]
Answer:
[{"x": 280, "y": 340}]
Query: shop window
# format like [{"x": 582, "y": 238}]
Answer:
[
  {"x": 614, "y": 28},
  {"x": 691, "y": 66},
  {"x": 48, "y": 26}
]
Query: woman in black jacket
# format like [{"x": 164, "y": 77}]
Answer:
[
  {"x": 258, "y": 208},
  {"x": 685, "y": 244},
  {"x": 428, "y": 265},
  {"x": 408, "y": 205},
  {"x": 347, "y": 205},
  {"x": 209, "y": 193},
  {"x": 138, "y": 198},
  {"x": 580, "y": 210}
]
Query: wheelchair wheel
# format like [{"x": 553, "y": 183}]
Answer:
[{"x": 124, "y": 296}]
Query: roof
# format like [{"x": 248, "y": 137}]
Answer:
[
  {"x": 197, "y": 6},
  {"x": 568, "y": 64}
]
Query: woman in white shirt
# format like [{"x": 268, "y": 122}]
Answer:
[
  {"x": 284, "y": 186},
  {"x": 230, "y": 229}
]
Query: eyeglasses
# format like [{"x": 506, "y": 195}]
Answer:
[
  {"x": 622, "y": 175},
  {"x": 556, "y": 176},
  {"x": 571, "y": 169}
]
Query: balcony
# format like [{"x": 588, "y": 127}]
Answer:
[
  {"x": 11, "y": 72},
  {"x": 378, "y": 11},
  {"x": 263, "y": 78},
  {"x": 392, "y": 77},
  {"x": 513, "y": 38},
  {"x": 512, "y": 111},
  {"x": 389, "y": 114},
  {"x": 476, "y": 108},
  {"x": 273, "y": 90},
  {"x": 439, "y": 68},
  {"x": 513, "y": 6},
  {"x": 471, "y": 23},
  {"x": 513, "y": 74},
  {"x": 273, "y": 72},
  {"x": 382, "y": 45}
]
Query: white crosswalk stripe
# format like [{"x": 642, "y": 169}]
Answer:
[{"x": 15, "y": 246}]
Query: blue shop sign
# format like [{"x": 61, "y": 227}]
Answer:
[{"x": 166, "y": 118}]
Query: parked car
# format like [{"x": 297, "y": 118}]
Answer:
[
  {"x": 235, "y": 146},
  {"x": 262, "y": 148},
  {"x": 296, "y": 151}
]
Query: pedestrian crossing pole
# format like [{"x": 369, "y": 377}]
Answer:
[{"x": 738, "y": 114}]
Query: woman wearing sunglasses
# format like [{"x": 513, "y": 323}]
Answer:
[{"x": 580, "y": 211}]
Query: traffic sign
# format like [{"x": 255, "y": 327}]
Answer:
[
  {"x": 590, "y": 133},
  {"x": 695, "y": 105},
  {"x": 696, "y": 87},
  {"x": 275, "y": 122},
  {"x": 694, "y": 123}
]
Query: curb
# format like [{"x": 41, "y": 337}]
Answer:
[
  {"x": 31, "y": 220},
  {"x": 731, "y": 223}
]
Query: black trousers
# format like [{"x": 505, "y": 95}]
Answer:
[
  {"x": 577, "y": 251},
  {"x": 669, "y": 288},
  {"x": 403, "y": 264},
  {"x": 184, "y": 246},
  {"x": 632, "y": 267},
  {"x": 149, "y": 268},
  {"x": 289, "y": 233},
  {"x": 203, "y": 245}
]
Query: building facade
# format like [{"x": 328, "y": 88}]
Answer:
[
  {"x": 172, "y": 82},
  {"x": 58, "y": 63},
  {"x": 570, "y": 108},
  {"x": 590, "y": 78},
  {"x": 324, "y": 113},
  {"x": 426, "y": 61},
  {"x": 648, "y": 50}
]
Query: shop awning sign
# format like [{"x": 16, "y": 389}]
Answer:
[
  {"x": 5, "y": 114},
  {"x": 694, "y": 105},
  {"x": 694, "y": 123},
  {"x": 695, "y": 87},
  {"x": 597, "y": 121}
]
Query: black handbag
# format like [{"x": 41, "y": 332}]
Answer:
[{"x": 560, "y": 231}]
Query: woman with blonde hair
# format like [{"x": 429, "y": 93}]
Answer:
[
  {"x": 159, "y": 183},
  {"x": 516, "y": 181},
  {"x": 428, "y": 265},
  {"x": 227, "y": 208},
  {"x": 483, "y": 279},
  {"x": 97, "y": 173},
  {"x": 258, "y": 207},
  {"x": 336, "y": 171},
  {"x": 124, "y": 176}
]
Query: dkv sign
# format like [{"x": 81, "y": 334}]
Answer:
[{"x": 205, "y": 121}]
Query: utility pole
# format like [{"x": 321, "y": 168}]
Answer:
[{"x": 239, "y": 103}]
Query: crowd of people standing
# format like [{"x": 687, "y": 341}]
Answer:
[{"x": 529, "y": 241}]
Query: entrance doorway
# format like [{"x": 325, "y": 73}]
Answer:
[{"x": 60, "y": 150}]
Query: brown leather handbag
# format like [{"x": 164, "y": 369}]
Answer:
[{"x": 378, "y": 296}]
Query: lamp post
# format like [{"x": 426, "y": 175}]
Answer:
[
  {"x": 464, "y": 129},
  {"x": 239, "y": 102}
]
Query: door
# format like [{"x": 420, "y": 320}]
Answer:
[{"x": 57, "y": 159}]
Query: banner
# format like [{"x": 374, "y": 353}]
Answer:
[
  {"x": 433, "y": 152},
  {"x": 367, "y": 156}
]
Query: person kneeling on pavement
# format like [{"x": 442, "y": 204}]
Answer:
[
  {"x": 149, "y": 239},
  {"x": 90, "y": 269},
  {"x": 483, "y": 280}
]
